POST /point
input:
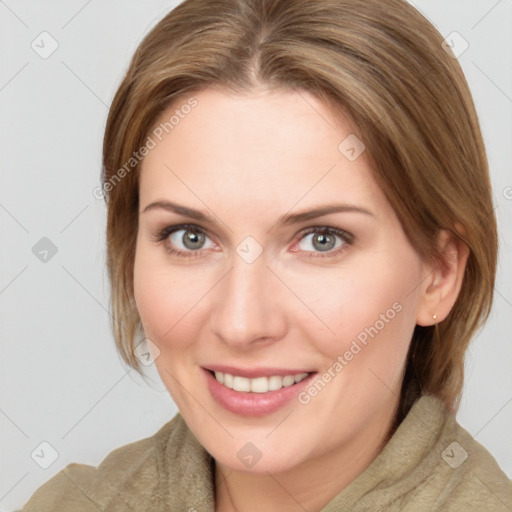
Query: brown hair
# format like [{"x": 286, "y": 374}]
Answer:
[{"x": 379, "y": 62}]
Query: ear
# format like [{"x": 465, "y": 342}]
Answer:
[{"x": 445, "y": 280}]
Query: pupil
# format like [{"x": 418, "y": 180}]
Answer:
[
  {"x": 193, "y": 240},
  {"x": 323, "y": 242}
]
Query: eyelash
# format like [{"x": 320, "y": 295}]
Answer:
[{"x": 347, "y": 239}]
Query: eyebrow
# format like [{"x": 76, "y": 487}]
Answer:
[{"x": 285, "y": 220}]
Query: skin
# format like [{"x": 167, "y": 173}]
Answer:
[{"x": 247, "y": 160}]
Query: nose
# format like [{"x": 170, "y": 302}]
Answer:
[{"x": 249, "y": 306}]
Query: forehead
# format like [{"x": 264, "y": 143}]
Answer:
[{"x": 277, "y": 148}]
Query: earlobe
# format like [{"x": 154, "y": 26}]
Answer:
[{"x": 445, "y": 280}]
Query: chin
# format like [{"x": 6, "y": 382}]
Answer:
[{"x": 255, "y": 462}]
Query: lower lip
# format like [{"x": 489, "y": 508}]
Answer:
[{"x": 253, "y": 404}]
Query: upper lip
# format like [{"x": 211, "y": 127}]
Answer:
[{"x": 252, "y": 373}]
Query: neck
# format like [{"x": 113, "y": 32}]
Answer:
[{"x": 309, "y": 486}]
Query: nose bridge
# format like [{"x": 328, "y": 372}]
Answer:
[{"x": 246, "y": 308}]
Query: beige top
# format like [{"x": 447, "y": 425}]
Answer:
[{"x": 430, "y": 464}]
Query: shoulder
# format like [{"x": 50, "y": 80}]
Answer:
[
  {"x": 128, "y": 477},
  {"x": 462, "y": 474},
  {"x": 474, "y": 480}
]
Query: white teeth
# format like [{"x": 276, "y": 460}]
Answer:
[
  {"x": 275, "y": 383},
  {"x": 228, "y": 380},
  {"x": 259, "y": 384},
  {"x": 241, "y": 384},
  {"x": 288, "y": 380}
]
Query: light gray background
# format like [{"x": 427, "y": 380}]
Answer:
[{"x": 62, "y": 380}]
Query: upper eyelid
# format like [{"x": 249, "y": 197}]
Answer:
[
  {"x": 337, "y": 231},
  {"x": 342, "y": 233}
]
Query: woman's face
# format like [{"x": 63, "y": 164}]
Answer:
[{"x": 267, "y": 253}]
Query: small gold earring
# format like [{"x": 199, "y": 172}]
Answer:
[{"x": 434, "y": 316}]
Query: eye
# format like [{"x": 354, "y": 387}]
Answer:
[
  {"x": 188, "y": 240},
  {"x": 184, "y": 240},
  {"x": 325, "y": 240}
]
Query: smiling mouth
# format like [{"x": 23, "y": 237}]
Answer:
[{"x": 258, "y": 384}]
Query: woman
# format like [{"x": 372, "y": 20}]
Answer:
[{"x": 300, "y": 226}]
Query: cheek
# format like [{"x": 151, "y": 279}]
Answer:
[
  {"x": 357, "y": 308},
  {"x": 155, "y": 296},
  {"x": 167, "y": 299},
  {"x": 152, "y": 305}
]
